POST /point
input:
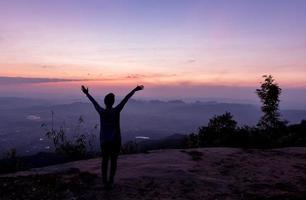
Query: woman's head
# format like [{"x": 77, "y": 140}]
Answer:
[{"x": 109, "y": 100}]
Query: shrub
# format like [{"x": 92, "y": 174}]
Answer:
[
  {"x": 130, "y": 147},
  {"x": 75, "y": 147},
  {"x": 11, "y": 162},
  {"x": 270, "y": 132},
  {"x": 218, "y": 132}
]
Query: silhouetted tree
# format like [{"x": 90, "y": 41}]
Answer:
[
  {"x": 222, "y": 123},
  {"x": 269, "y": 93},
  {"x": 270, "y": 132},
  {"x": 192, "y": 141},
  {"x": 219, "y": 130}
]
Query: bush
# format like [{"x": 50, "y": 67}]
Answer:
[
  {"x": 218, "y": 132},
  {"x": 130, "y": 147},
  {"x": 270, "y": 132},
  {"x": 222, "y": 131},
  {"x": 11, "y": 162},
  {"x": 192, "y": 141},
  {"x": 75, "y": 147}
]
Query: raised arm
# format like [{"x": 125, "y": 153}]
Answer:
[
  {"x": 93, "y": 101},
  {"x": 128, "y": 96}
]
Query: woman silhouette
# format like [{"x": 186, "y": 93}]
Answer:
[{"x": 110, "y": 134}]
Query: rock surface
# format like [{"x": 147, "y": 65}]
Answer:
[{"x": 206, "y": 173}]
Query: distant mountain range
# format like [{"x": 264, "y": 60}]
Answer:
[{"x": 21, "y": 119}]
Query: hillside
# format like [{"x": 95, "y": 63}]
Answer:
[
  {"x": 153, "y": 119},
  {"x": 208, "y": 173}
]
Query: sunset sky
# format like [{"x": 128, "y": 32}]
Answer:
[{"x": 159, "y": 43}]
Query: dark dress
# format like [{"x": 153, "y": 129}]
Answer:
[{"x": 110, "y": 134}]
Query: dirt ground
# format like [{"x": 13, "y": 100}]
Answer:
[{"x": 206, "y": 173}]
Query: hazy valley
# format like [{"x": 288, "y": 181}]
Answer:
[{"x": 21, "y": 120}]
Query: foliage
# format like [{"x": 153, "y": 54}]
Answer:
[
  {"x": 296, "y": 135},
  {"x": 218, "y": 130},
  {"x": 130, "y": 147},
  {"x": 222, "y": 123},
  {"x": 269, "y": 93},
  {"x": 230, "y": 135},
  {"x": 192, "y": 141},
  {"x": 75, "y": 147},
  {"x": 195, "y": 155},
  {"x": 270, "y": 132},
  {"x": 11, "y": 162}
]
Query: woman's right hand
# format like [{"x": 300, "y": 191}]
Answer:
[
  {"x": 84, "y": 89},
  {"x": 139, "y": 87}
]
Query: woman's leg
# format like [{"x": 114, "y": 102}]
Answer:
[
  {"x": 104, "y": 167},
  {"x": 113, "y": 168},
  {"x": 104, "y": 164}
]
